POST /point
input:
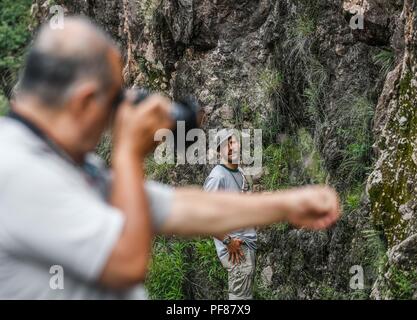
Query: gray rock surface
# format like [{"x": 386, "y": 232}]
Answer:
[{"x": 282, "y": 66}]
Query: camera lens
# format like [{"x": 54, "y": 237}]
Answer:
[{"x": 187, "y": 110}]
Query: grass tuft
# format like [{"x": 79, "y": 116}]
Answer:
[
  {"x": 385, "y": 59},
  {"x": 167, "y": 271}
]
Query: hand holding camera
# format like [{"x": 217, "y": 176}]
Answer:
[
  {"x": 141, "y": 114},
  {"x": 135, "y": 127}
]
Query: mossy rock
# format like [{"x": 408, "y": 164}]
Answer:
[{"x": 393, "y": 184}]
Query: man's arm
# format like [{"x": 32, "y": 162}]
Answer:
[
  {"x": 199, "y": 213},
  {"x": 129, "y": 259}
]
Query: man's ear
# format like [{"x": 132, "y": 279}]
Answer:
[{"x": 83, "y": 98}]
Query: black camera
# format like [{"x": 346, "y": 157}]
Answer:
[{"x": 186, "y": 109}]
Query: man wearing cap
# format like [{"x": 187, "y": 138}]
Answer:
[{"x": 237, "y": 250}]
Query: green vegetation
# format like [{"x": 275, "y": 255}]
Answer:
[
  {"x": 158, "y": 172},
  {"x": 398, "y": 167},
  {"x": 155, "y": 78},
  {"x": 358, "y": 295},
  {"x": 301, "y": 33},
  {"x": 3, "y": 105},
  {"x": 375, "y": 249},
  {"x": 385, "y": 59},
  {"x": 14, "y": 37},
  {"x": 304, "y": 26},
  {"x": 305, "y": 70},
  {"x": 209, "y": 278},
  {"x": 179, "y": 264},
  {"x": 147, "y": 10},
  {"x": 270, "y": 126},
  {"x": 312, "y": 9},
  {"x": 104, "y": 147},
  {"x": 241, "y": 111},
  {"x": 327, "y": 292},
  {"x": 167, "y": 270},
  {"x": 291, "y": 159},
  {"x": 402, "y": 283},
  {"x": 314, "y": 92},
  {"x": 352, "y": 199},
  {"x": 271, "y": 81},
  {"x": 260, "y": 292},
  {"x": 205, "y": 258},
  {"x": 355, "y": 114},
  {"x": 294, "y": 161}
]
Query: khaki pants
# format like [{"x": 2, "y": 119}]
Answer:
[{"x": 241, "y": 276}]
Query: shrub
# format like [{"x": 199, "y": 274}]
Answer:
[
  {"x": 207, "y": 259},
  {"x": 385, "y": 59},
  {"x": 300, "y": 41},
  {"x": 294, "y": 161},
  {"x": 3, "y": 105},
  {"x": 354, "y": 118},
  {"x": 14, "y": 36},
  {"x": 167, "y": 271},
  {"x": 158, "y": 172},
  {"x": 402, "y": 283},
  {"x": 270, "y": 81}
]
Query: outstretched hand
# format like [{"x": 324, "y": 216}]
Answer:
[{"x": 313, "y": 207}]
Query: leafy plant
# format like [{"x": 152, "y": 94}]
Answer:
[
  {"x": 354, "y": 134},
  {"x": 263, "y": 293},
  {"x": 167, "y": 271},
  {"x": 294, "y": 161},
  {"x": 206, "y": 259},
  {"x": 385, "y": 59},
  {"x": 314, "y": 92},
  {"x": 402, "y": 283},
  {"x": 353, "y": 198},
  {"x": 158, "y": 172},
  {"x": 3, "y": 105},
  {"x": 147, "y": 9},
  {"x": 300, "y": 40},
  {"x": 271, "y": 81},
  {"x": 14, "y": 36}
]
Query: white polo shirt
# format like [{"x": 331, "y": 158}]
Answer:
[{"x": 53, "y": 214}]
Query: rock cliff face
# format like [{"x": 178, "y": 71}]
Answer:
[
  {"x": 323, "y": 91},
  {"x": 392, "y": 184}
]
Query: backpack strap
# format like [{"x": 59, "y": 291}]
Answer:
[{"x": 247, "y": 179}]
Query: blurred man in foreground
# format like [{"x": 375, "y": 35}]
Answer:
[{"x": 59, "y": 206}]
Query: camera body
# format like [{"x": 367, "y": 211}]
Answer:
[{"x": 186, "y": 109}]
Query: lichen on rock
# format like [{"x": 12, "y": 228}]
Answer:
[{"x": 392, "y": 184}]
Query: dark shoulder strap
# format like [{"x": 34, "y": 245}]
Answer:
[{"x": 247, "y": 179}]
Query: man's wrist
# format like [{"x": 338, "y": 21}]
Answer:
[
  {"x": 282, "y": 203},
  {"x": 126, "y": 152}
]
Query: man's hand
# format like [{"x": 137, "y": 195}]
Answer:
[
  {"x": 236, "y": 254},
  {"x": 313, "y": 207},
  {"x": 136, "y": 126}
]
